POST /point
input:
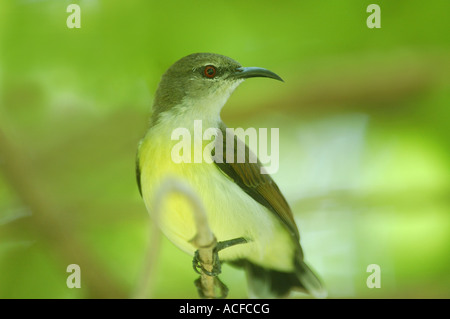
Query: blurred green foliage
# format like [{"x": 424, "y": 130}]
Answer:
[{"x": 363, "y": 120}]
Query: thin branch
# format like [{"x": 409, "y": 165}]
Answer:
[{"x": 147, "y": 277}]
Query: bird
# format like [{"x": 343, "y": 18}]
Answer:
[{"x": 245, "y": 208}]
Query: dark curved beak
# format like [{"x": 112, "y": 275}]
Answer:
[{"x": 253, "y": 72}]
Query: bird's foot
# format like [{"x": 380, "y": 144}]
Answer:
[
  {"x": 228, "y": 243},
  {"x": 198, "y": 267},
  {"x": 217, "y": 265}
]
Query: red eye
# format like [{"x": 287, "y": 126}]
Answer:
[{"x": 210, "y": 71}]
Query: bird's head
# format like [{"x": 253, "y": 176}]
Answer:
[{"x": 203, "y": 80}]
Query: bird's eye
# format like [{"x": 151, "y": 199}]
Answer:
[{"x": 210, "y": 71}]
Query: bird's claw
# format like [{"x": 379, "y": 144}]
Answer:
[
  {"x": 217, "y": 265},
  {"x": 198, "y": 267}
]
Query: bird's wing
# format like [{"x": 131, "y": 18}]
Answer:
[{"x": 260, "y": 187}]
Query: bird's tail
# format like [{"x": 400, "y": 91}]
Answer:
[
  {"x": 269, "y": 283},
  {"x": 309, "y": 280}
]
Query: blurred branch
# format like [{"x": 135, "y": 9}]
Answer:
[
  {"x": 204, "y": 239},
  {"x": 145, "y": 284},
  {"x": 48, "y": 223}
]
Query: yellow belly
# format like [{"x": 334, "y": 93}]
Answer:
[{"x": 231, "y": 212}]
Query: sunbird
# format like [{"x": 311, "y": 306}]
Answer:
[{"x": 246, "y": 211}]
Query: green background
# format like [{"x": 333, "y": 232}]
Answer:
[{"x": 364, "y": 139}]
